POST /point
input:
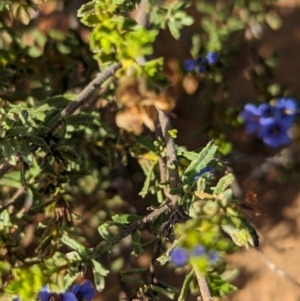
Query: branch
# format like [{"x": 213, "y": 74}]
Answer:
[
  {"x": 203, "y": 286},
  {"x": 140, "y": 223},
  {"x": 81, "y": 98},
  {"x": 171, "y": 156},
  {"x": 86, "y": 93}
]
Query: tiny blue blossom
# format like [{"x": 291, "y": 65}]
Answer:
[
  {"x": 45, "y": 295},
  {"x": 285, "y": 109},
  {"x": 189, "y": 65},
  {"x": 198, "y": 65},
  {"x": 84, "y": 291},
  {"x": 251, "y": 116},
  {"x": 212, "y": 57},
  {"x": 213, "y": 256},
  {"x": 179, "y": 256},
  {"x": 266, "y": 111},
  {"x": 274, "y": 132},
  {"x": 198, "y": 251},
  {"x": 16, "y": 299}
]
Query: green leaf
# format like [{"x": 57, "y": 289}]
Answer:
[
  {"x": 79, "y": 119},
  {"x": 174, "y": 29},
  {"x": 136, "y": 243},
  {"x": 9, "y": 151},
  {"x": 99, "y": 275},
  {"x": 4, "y": 221},
  {"x": 110, "y": 229},
  {"x": 131, "y": 279},
  {"x": 146, "y": 143},
  {"x": 223, "y": 183},
  {"x": 147, "y": 182},
  {"x": 156, "y": 223},
  {"x": 19, "y": 131},
  {"x": 204, "y": 157},
  {"x": 126, "y": 218},
  {"x": 39, "y": 142},
  {"x": 73, "y": 244},
  {"x": 185, "y": 286},
  {"x": 59, "y": 101},
  {"x": 11, "y": 179},
  {"x": 164, "y": 291}
]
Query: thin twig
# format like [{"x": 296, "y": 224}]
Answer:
[
  {"x": 171, "y": 156},
  {"x": 81, "y": 98},
  {"x": 203, "y": 286},
  {"x": 86, "y": 93},
  {"x": 272, "y": 266},
  {"x": 140, "y": 223}
]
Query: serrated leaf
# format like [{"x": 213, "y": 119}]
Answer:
[
  {"x": 99, "y": 273},
  {"x": 204, "y": 157},
  {"x": 223, "y": 183},
  {"x": 126, "y": 218},
  {"x": 136, "y": 243}
]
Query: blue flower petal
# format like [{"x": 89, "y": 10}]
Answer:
[
  {"x": 189, "y": 65},
  {"x": 44, "y": 295},
  {"x": 198, "y": 251},
  {"x": 213, "y": 256},
  {"x": 75, "y": 288},
  {"x": 86, "y": 290},
  {"x": 212, "y": 57},
  {"x": 274, "y": 132},
  {"x": 68, "y": 297},
  {"x": 179, "y": 256}
]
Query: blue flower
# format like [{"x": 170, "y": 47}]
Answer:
[
  {"x": 198, "y": 251},
  {"x": 203, "y": 171},
  {"x": 45, "y": 295},
  {"x": 84, "y": 291},
  {"x": 285, "y": 109},
  {"x": 213, "y": 256},
  {"x": 195, "y": 65},
  {"x": 212, "y": 57},
  {"x": 179, "y": 256},
  {"x": 274, "y": 132},
  {"x": 189, "y": 65},
  {"x": 16, "y": 299},
  {"x": 251, "y": 116},
  {"x": 266, "y": 111}
]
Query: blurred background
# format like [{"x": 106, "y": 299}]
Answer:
[{"x": 273, "y": 174}]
